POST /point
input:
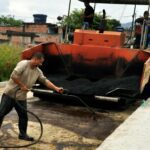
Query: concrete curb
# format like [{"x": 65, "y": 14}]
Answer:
[{"x": 133, "y": 133}]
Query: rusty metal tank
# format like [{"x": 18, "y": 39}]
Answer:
[{"x": 95, "y": 64}]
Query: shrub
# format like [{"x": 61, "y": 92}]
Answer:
[{"x": 9, "y": 56}]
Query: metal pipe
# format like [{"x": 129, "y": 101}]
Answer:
[
  {"x": 142, "y": 35},
  {"x": 71, "y": 96},
  {"x": 107, "y": 98},
  {"x": 94, "y": 6},
  {"x": 42, "y": 91},
  {"x": 65, "y": 91},
  {"x": 66, "y": 32},
  {"x": 133, "y": 19},
  {"x": 94, "y": 11},
  {"x": 103, "y": 98},
  {"x": 145, "y": 35},
  {"x": 149, "y": 6}
]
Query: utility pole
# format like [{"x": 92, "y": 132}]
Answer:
[{"x": 66, "y": 31}]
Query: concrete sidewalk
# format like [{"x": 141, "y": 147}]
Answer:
[
  {"x": 133, "y": 134},
  {"x": 3, "y": 84}
]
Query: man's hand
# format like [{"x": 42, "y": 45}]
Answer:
[
  {"x": 50, "y": 85},
  {"x": 20, "y": 84},
  {"x": 24, "y": 88},
  {"x": 59, "y": 90}
]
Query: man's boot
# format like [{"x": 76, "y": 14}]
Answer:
[{"x": 25, "y": 137}]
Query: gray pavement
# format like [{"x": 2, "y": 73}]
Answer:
[{"x": 65, "y": 128}]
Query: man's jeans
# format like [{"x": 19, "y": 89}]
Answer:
[
  {"x": 85, "y": 25},
  {"x": 7, "y": 104}
]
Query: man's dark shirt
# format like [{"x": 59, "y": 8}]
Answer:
[
  {"x": 88, "y": 11},
  {"x": 138, "y": 35},
  {"x": 139, "y": 20}
]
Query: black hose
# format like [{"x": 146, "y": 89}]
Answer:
[
  {"x": 66, "y": 92},
  {"x": 69, "y": 73},
  {"x": 94, "y": 115},
  {"x": 41, "y": 129},
  {"x": 84, "y": 103}
]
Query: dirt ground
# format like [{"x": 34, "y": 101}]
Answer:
[{"x": 65, "y": 127}]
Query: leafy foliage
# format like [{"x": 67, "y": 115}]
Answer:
[
  {"x": 10, "y": 55},
  {"x": 10, "y": 21},
  {"x": 112, "y": 24},
  {"x": 75, "y": 20}
]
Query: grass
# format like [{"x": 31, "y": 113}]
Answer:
[{"x": 9, "y": 56}]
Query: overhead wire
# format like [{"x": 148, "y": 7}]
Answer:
[{"x": 121, "y": 16}]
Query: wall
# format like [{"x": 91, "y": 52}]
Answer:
[{"x": 42, "y": 30}]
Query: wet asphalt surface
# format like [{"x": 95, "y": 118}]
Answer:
[{"x": 66, "y": 127}]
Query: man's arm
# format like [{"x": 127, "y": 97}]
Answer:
[
  {"x": 50, "y": 85},
  {"x": 139, "y": 20},
  {"x": 89, "y": 16},
  {"x": 19, "y": 83}
]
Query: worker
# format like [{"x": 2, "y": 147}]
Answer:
[
  {"x": 23, "y": 77},
  {"x": 88, "y": 16},
  {"x": 138, "y": 28}
]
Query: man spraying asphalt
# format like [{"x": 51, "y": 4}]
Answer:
[{"x": 23, "y": 77}]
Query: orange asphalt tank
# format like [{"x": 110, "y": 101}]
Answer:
[{"x": 93, "y": 53}]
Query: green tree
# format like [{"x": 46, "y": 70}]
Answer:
[
  {"x": 112, "y": 24},
  {"x": 75, "y": 20},
  {"x": 10, "y": 21}
]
